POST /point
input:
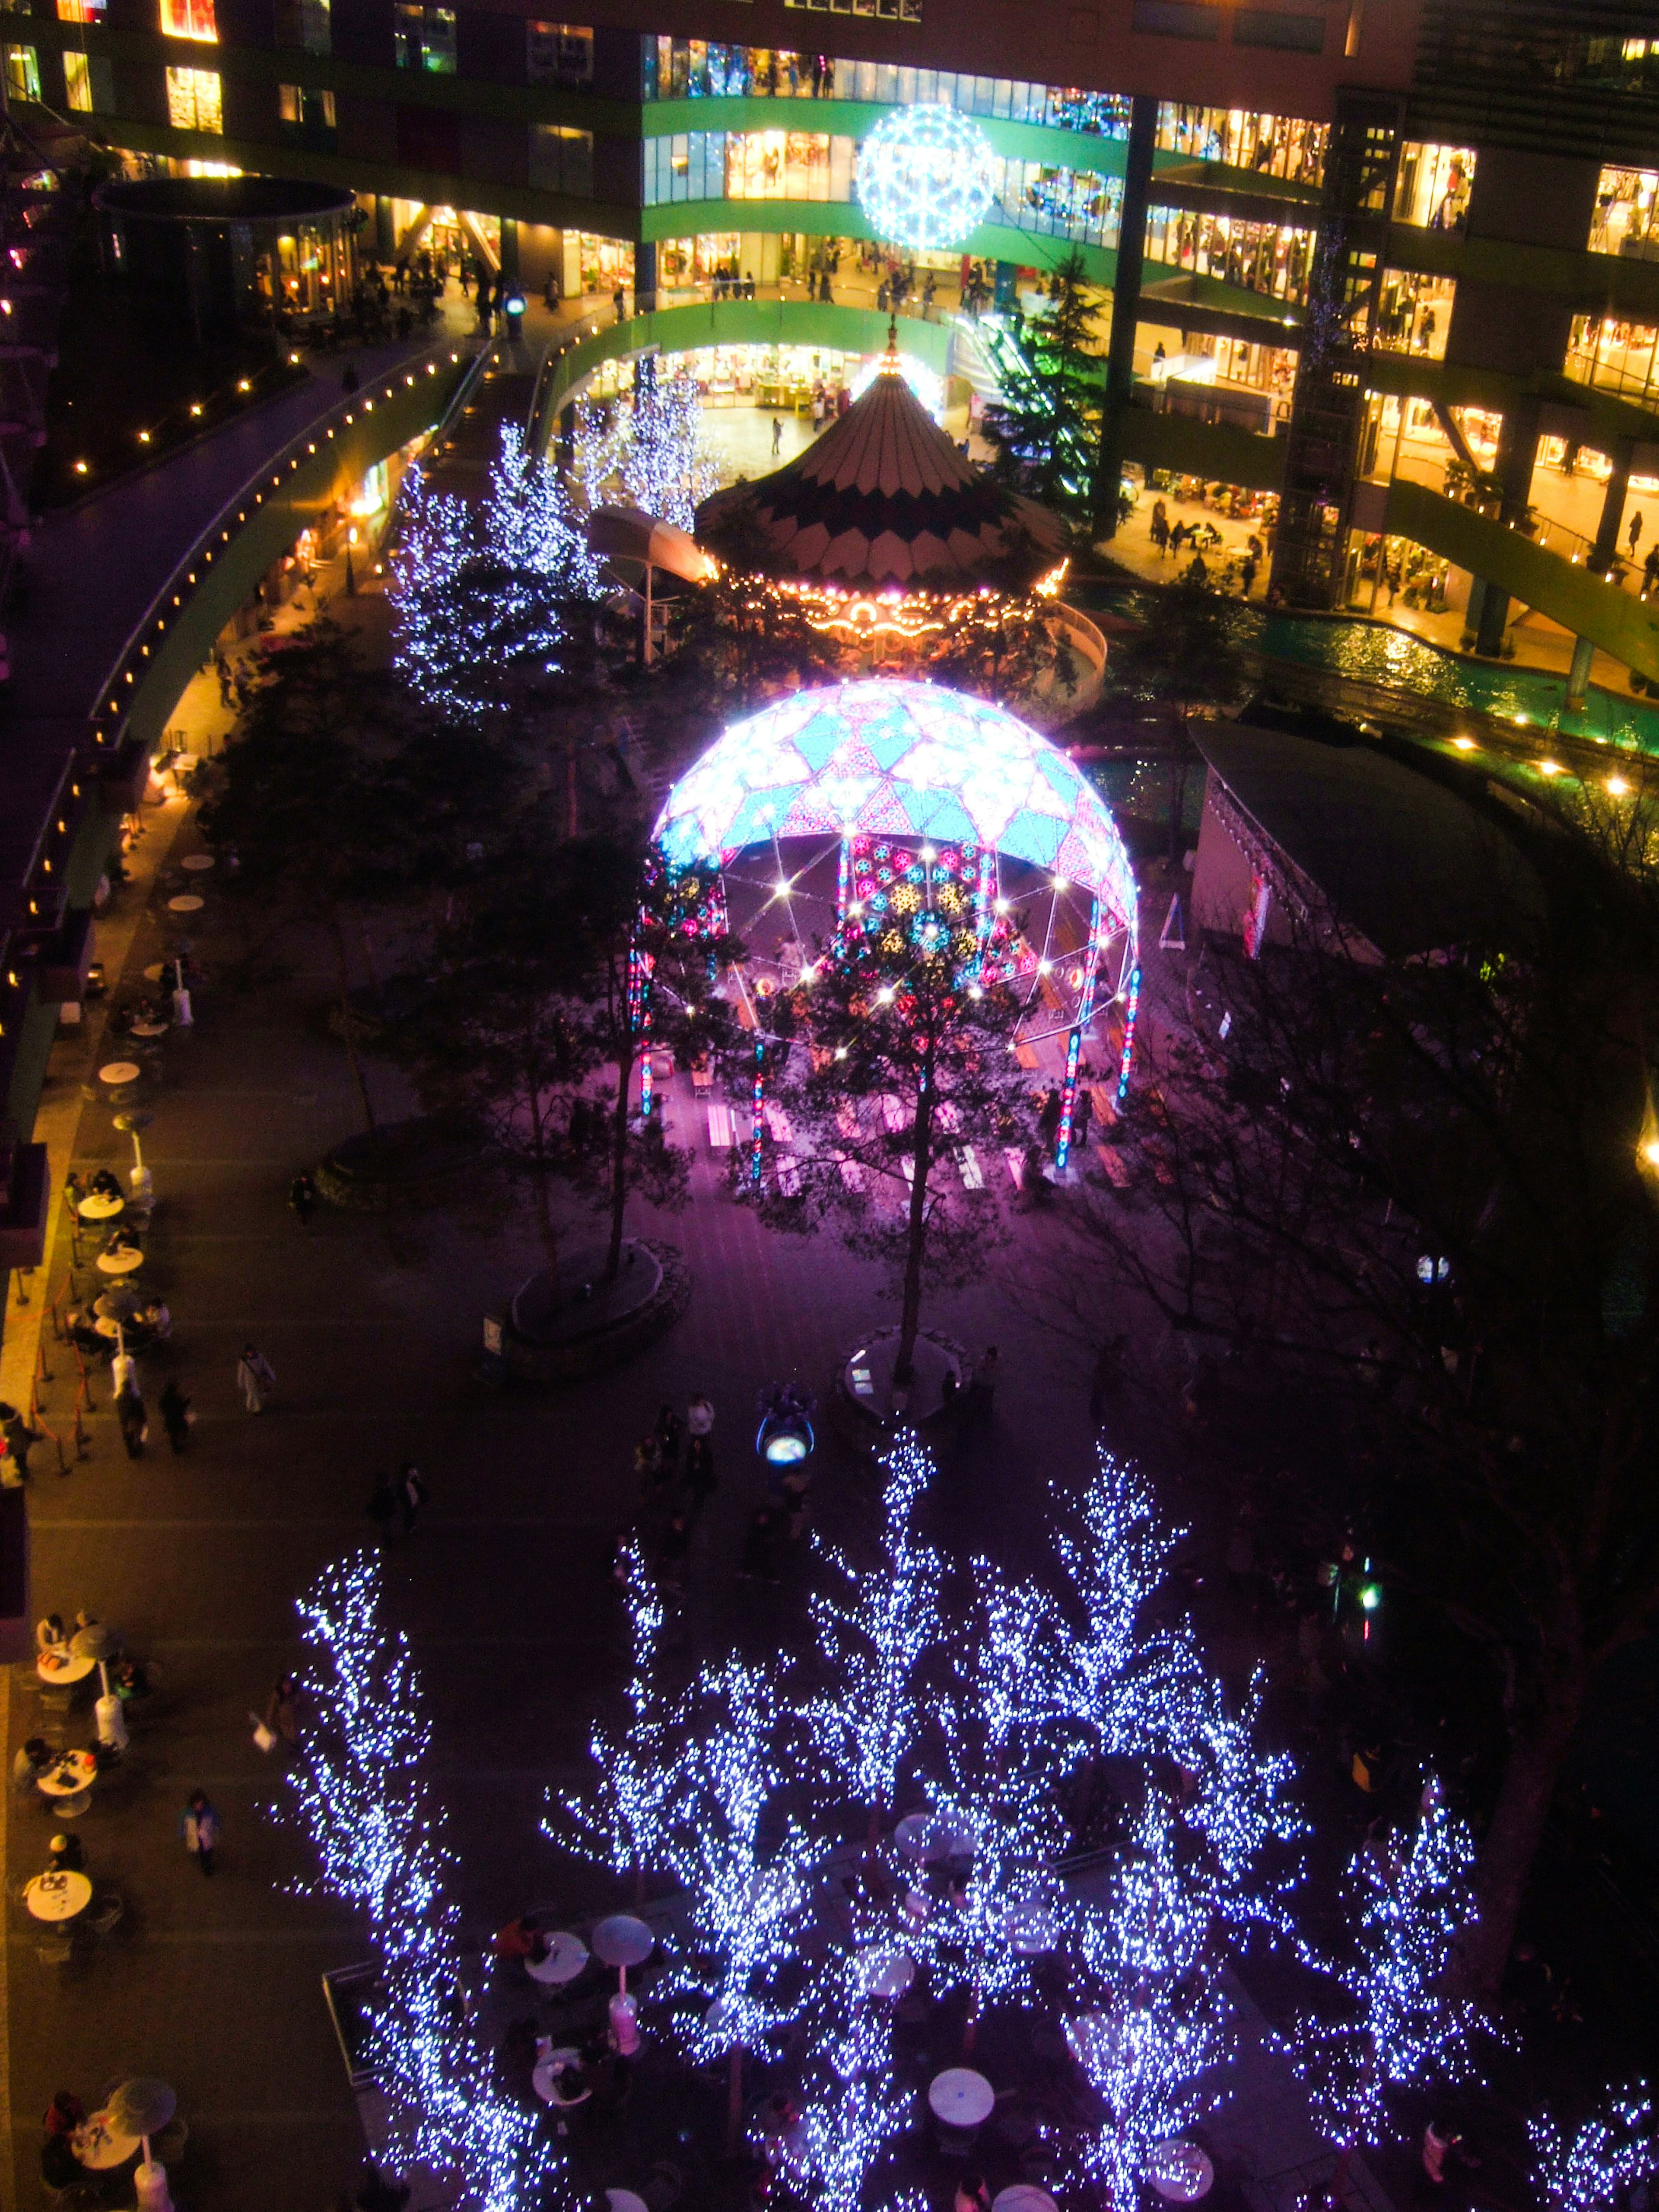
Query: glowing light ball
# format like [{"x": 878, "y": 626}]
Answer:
[{"x": 925, "y": 176}]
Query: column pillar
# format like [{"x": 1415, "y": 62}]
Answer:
[
  {"x": 1613, "y": 507},
  {"x": 1578, "y": 674},
  {"x": 509, "y": 254},
  {"x": 645, "y": 277},
  {"x": 1517, "y": 449},
  {"x": 386, "y": 229},
  {"x": 1126, "y": 305}
]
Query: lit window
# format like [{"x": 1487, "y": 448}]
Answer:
[
  {"x": 1627, "y": 218},
  {"x": 424, "y": 38},
  {"x": 562, "y": 160},
  {"x": 1433, "y": 191},
  {"x": 890, "y": 11},
  {"x": 304, "y": 108},
  {"x": 559, "y": 53},
  {"x": 80, "y": 11},
  {"x": 23, "y": 72},
  {"x": 306, "y": 24},
  {"x": 194, "y": 101},
  {"x": 190, "y": 19}
]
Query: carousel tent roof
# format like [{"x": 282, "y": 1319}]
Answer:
[
  {"x": 885, "y": 498},
  {"x": 899, "y": 759}
]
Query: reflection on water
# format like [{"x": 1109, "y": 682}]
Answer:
[{"x": 1375, "y": 653}]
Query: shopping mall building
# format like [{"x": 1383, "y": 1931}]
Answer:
[{"x": 1392, "y": 266}]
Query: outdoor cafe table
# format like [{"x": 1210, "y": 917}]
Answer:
[
  {"x": 197, "y": 861},
  {"x": 100, "y": 1206},
  {"x": 1180, "y": 2172},
  {"x": 150, "y": 1028},
  {"x": 886, "y": 1973},
  {"x": 1023, "y": 2196},
  {"x": 100, "y": 2148},
  {"x": 58, "y": 1667},
  {"x": 58, "y": 1896},
  {"x": 622, "y": 1941},
  {"x": 961, "y": 2097},
  {"x": 123, "y": 1262},
  {"x": 75, "y": 1771},
  {"x": 566, "y": 1955},
  {"x": 116, "y": 1073}
]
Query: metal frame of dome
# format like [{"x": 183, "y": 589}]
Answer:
[{"x": 918, "y": 763}]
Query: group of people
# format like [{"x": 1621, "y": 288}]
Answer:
[
  {"x": 674, "y": 1467},
  {"x": 398, "y": 1496},
  {"x": 1202, "y": 536}
]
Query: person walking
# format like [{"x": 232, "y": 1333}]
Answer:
[
  {"x": 198, "y": 1824},
  {"x": 135, "y": 1424},
  {"x": 176, "y": 1414},
  {"x": 777, "y": 435},
  {"x": 1634, "y": 531},
  {"x": 670, "y": 1430},
  {"x": 383, "y": 1502},
  {"x": 282, "y": 1710},
  {"x": 412, "y": 1494},
  {"x": 255, "y": 1378},
  {"x": 302, "y": 1197},
  {"x": 222, "y": 670}
]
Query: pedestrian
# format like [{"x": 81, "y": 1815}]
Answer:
[
  {"x": 135, "y": 1426},
  {"x": 671, "y": 1552},
  {"x": 176, "y": 1417},
  {"x": 383, "y": 1502},
  {"x": 123, "y": 1369},
  {"x": 670, "y": 1430},
  {"x": 699, "y": 1473},
  {"x": 412, "y": 1492},
  {"x": 255, "y": 1378},
  {"x": 282, "y": 1710},
  {"x": 1048, "y": 1120},
  {"x": 757, "y": 1564},
  {"x": 67, "y": 1854},
  {"x": 777, "y": 435},
  {"x": 647, "y": 1462},
  {"x": 700, "y": 1416},
  {"x": 1635, "y": 531},
  {"x": 222, "y": 670},
  {"x": 1083, "y": 1113},
  {"x": 65, "y": 2113},
  {"x": 1650, "y": 570},
  {"x": 303, "y": 1196},
  {"x": 619, "y": 302},
  {"x": 199, "y": 1826}
]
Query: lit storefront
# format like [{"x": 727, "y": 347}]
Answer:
[
  {"x": 1433, "y": 187},
  {"x": 1414, "y": 313},
  {"x": 1613, "y": 355},
  {"x": 1243, "y": 138},
  {"x": 1627, "y": 218},
  {"x": 1270, "y": 259},
  {"x": 781, "y": 377}
]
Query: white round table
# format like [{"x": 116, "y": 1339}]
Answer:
[
  {"x": 961, "y": 2097},
  {"x": 1023, "y": 2196},
  {"x": 197, "y": 861},
  {"x": 624, "y": 2200},
  {"x": 1180, "y": 2172},
  {"x": 547, "y": 2074},
  {"x": 1032, "y": 1929},
  {"x": 185, "y": 902},
  {"x": 100, "y": 1206},
  {"x": 75, "y": 1771},
  {"x": 930, "y": 1837},
  {"x": 120, "y": 1263},
  {"x": 148, "y": 1029},
  {"x": 61, "y": 1668},
  {"x": 100, "y": 2148},
  {"x": 566, "y": 1955},
  {"x": 58, "y": 1896},
  {"x": 115, "y": 1073},
  {"x": 886, "y": 1973}
]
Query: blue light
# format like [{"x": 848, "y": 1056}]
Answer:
[{"x": 924, "y": 177}]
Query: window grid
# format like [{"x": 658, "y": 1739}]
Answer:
[{"x": 195, "y": 100}]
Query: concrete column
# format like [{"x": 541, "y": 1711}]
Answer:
[
  {"x": 1517, "y": 450},
  {"x": 1613, "y": 507},
  {"x": 386, "y": 229},
  {"x": 510, "y": 252},
  {"x": 1579, "y": 674},
  {"x": 1126, "y": 304},
  {"x": 645, "y": 277}
]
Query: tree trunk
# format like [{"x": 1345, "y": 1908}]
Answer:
[
  {"x": 734, "y": 2104},
  {"x": 921, "y": 1147},
  {"x": 542, "y": 1169},
  {"x": 1513, "y": 1834},
  {"x": 619, "y": 1159},
  {"x": 346, "y": 1019}
]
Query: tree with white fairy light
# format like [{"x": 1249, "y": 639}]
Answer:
[
  {"x": 1412, "y": 1898},
  {"x": 360, "y": 1790},
  {"x": 1607, "y": 2154},
  {"x": 873, "y": 1630},
  {"x": 493, "y": 604},
  {"x": 623, "y": 1822},
  {"x": 649, "y": 450}
]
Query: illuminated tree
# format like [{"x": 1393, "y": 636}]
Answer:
[
  {"x": 908, "y": 1026},
  {"x": 625, "y": 1822},
  {"x": 1412, "y": 1898},
  {"x": 1608, "y": 2155},
  {"x": 1046, "y": 424},
  {"x": 873, "y": 1632},
  {"x": 493, "y": 604},
  {"x": 649, "y": 448},
  {"x": 360, "y": 1792}
]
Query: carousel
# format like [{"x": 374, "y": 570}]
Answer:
[{"x": 886, "y": 805}]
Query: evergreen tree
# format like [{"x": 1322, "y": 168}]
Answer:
[{"x": 1047, "y": 424}]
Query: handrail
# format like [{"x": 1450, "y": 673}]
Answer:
[{"x": 109, "y": 720}]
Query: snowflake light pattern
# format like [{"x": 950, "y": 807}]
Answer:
[{"x": 924, "y": 177}]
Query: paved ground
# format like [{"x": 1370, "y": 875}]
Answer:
[{"x": 372, "y": 1327}]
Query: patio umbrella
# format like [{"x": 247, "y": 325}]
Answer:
[
  {"x": 142, "y": 2107},
  {"x": 100, "y": 1643},
  {"x": 129, "y": 1122}
]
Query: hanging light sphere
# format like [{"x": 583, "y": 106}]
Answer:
[{"x": 924, "y": 177}]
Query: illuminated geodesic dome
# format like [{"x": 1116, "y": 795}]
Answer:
[
  {"x": 924, "y": 177},
  {"x": 865, "y": 780}
]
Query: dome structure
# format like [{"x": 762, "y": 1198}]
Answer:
[
  {"x": 912, "y": 763},
  {"x": 884, "y": 499}
]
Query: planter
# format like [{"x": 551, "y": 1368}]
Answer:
[
  {"x": 592, "y": 1324},
  {"x": 406, "y": 1164},
  {"x": 862, "y": 1400}
]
